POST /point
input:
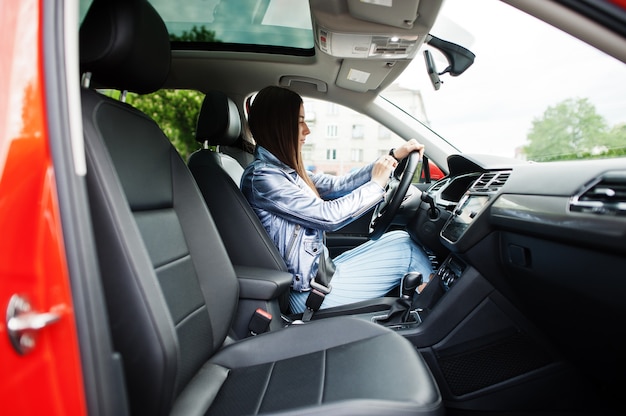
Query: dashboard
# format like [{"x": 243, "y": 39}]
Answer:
[
  {"x": 581, "y": 202},
  {"x": 548, "y": 237}
]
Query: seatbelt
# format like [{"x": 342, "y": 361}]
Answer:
[{"x": 320, "y": 285}]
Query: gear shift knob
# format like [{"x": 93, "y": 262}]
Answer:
[{"x": 410, "y": 282}]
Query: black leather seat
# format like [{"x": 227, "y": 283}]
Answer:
[
  {"x": 169, "y": 284},
  {"x": 219, "y": 125}
]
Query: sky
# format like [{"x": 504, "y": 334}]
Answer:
[{"x": 514, "y": 78}]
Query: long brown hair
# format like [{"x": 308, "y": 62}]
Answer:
[{"x": 273, "y": 120}]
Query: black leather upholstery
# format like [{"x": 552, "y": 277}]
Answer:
[
  {"x": 171, "y": 290},
  {"x": 219, "y": 125},
  {"x": 124, "y": 45},
  {"x": 243, "y": 234}
]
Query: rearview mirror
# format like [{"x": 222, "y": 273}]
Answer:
[
  {"x": 432, "y": 70},
  {"x": 458, "y": 57}
]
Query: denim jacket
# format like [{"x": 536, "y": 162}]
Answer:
[{"x": 295, "y": 218}]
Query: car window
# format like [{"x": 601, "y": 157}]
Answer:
[
  {"x": 532, "y": 93},
  {"x": 175, "y": 111},
  {"x": 342, "y": 139}
]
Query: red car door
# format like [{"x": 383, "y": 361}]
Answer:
[{"x": 39, "y": 354}]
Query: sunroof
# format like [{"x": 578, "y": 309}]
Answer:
[{"x": 255, "y": 25}]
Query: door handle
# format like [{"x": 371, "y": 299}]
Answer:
[{"x": 23, "y": 323}]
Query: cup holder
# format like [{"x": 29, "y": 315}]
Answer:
[{"x": 412, "y": 321}]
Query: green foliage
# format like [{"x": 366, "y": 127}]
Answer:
[
  {"x": 176, "y": 112},
  {"x": 573, "y": 130},
  {"x": 201, "y": 34}
]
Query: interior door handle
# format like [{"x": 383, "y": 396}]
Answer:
[{"x": 23, "y": 323}]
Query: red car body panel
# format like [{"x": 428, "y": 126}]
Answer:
[
  {"x": 435, "y": 172},
  {"x": 47, "y": 380}
]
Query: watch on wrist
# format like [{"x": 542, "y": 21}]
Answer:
[{"x": 393, "y": 149}]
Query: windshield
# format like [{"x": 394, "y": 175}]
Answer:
[{"x": 532, "y": 93}]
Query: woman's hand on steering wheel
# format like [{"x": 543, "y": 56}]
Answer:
[
  {"x": 397, "y": 187},
  {"x": 407, "y": 148}
]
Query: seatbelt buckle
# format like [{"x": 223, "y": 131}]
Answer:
[
  {"x": 316, "y": 295},
  {"x": 315, "y": 299},
  {"x": 260, "y": 321}
]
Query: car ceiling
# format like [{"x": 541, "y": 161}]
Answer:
[{"x": 240, "y": 74}]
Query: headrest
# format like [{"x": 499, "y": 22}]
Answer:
[
  {"x": 218, "y": 122},
  {"x": 125, "y": 45}
]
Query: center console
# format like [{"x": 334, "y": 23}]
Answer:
[
  {"x": 468, "y": 208},
  {"x": 462, "y": 230},
  {"x": 423, "y": 304}
]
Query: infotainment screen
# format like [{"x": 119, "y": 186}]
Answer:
[{"x": 464, "y": 214}]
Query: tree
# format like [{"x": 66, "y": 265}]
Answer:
[
  {"x": 616, "y": 141},
  {"x": 196, "y": 34},
  {"x": 571, "y": 129},
  {"x": 176, "y": 112}
]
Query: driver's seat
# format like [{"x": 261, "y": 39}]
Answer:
[
  {"x": 230, "y": 209},
  {"x": 233, "y": 215}
]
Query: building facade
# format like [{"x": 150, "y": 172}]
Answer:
[{"x": 342, "y": 139}]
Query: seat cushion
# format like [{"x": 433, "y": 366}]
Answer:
[{"x": 341, "y": 365}]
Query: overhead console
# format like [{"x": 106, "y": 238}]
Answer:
[
  {"x": 368, "y": 29},
  {"x": 371, "y": 36},
  {"x": 382, "y": 46}
]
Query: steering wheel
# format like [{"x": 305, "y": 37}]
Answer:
[{"x": 394, "y": 194}]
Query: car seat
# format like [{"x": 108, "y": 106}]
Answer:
[
  {"x": 219, "y": 125},
  {"x": 170, "y": 287}
]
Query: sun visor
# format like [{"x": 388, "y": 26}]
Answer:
[
  {"x": 398, "y": 13},
  {"x": 362, "y": 76}
]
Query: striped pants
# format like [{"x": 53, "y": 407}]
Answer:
[{"x": 370, "y": 271}]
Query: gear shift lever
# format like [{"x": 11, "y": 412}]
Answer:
[
  {"x": 410, "y": 282},
  {"x": 400, "y": 310}
]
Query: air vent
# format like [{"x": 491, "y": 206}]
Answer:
[
  {"x": 605, "y": 196},
  {"x": 438, "y": 185},
  {"x": 490, "y": 182}
]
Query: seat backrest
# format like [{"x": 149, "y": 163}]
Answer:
[
  {"x": 246, "y": 241},
  {"x": 170, "y": 289},
  {"x": 219, "y": 125}
]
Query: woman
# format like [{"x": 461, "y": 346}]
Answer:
[{"x": 296, "y": 208}]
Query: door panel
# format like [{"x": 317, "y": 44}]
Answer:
[{"x": 47, "y": 379}]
